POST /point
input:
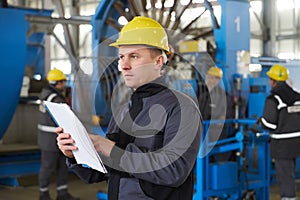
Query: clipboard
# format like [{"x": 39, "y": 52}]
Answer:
[{"x": 64, "y": 117}]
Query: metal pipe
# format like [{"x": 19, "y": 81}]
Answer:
[
  {"x": 288, "y": 37},
  {"x": 153, "y": 12},
  {"x": 67, "y": 35},
  {"x": 113, "y": 24},
  {"x": 170, "y": 13},
  {"x": 203, "y": 34},
  {"x": 161, "y": 14},
  {"x": 60, "y": 20},
  {"x": 144, "y": 4},
  {"x": 177, "y": 20},
  {"x": 133, "y": 8},
  {"x": 185, "y": 29},
  {"x": 120, "y": 8},
  {"x": 72, "y": 57}
]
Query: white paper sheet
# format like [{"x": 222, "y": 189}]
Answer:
[{"x": 65, "y": 118}]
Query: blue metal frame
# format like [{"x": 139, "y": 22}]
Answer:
[
  {"x": 14, "y": 165},
  {"x": 232, "y": 36},
  {"x": 13, "y": 41},
  {"x": 16, "y": 52},
  {"x": 235, "y": 26},
  {"x": 253, "y": 178}
]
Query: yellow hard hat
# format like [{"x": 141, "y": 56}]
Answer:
[
  {"x": 278, "y": 73},
  {"x": 145, "y": 31},
  {"x": 215, "y": 71},
  {"x": 56, "y": 75}
]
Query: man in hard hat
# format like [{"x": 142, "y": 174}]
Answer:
[
  {"x": 52, "y": 161},
  {"x": 152, "y": 142},
  {"x": 282, "y": 116},
  {"x": 220, "y": 107}
]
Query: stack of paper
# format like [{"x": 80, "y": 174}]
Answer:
[{"x": 65, "y": 118}]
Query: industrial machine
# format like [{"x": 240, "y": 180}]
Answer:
[
  {"x": 22, "y": 55},
  {"x": 247, "y": 175}
]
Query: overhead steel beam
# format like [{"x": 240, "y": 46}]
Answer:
[
  {"x": 186, "y": 28},
  {"x": 177, "y": 20},
  {"x": 67, "y": 36},
  {"x": 209, "y": 7},
  {"x": 60, "y": 20},
  {"x": 133, "y": 7},
  {"x": 288, "y": 37},
  {"x": 119, "y": 6},
  {"x": 161, "y": 14},
  {"x": 112, "y": 23},
  {"x": 173, "y": 8},
  {"x": 144, "y": 5},
  {"x": 71, "y": 56},
  {"x": 153, "y": 9}
]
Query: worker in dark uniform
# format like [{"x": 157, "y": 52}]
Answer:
[
  {"x": 221, "y": 104},
  {"x": 52, "y": 161},
  {"x": 220, "y": 107},
  {"x": 153, "y": 140},
  {"x": 282, "y": 116}
]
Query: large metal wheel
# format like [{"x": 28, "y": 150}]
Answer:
[{"x": 106, "y": 25}]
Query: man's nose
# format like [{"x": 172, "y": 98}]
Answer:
[{"x": 125, "y": 64}]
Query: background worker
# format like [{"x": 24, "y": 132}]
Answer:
[
  {"x": 282, "y": 116},
  {"x": 221, "y": 104},
  {"x": 153, "y": 140},
  {"x": 52, "y": 161},
  {"x": 218, "y": 105}
]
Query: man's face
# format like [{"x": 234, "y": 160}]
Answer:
[
  {"x": 272, "y": 83},
  {"x": 211, "y": 81},
  {"x": 61, "y": 85},
  {"x": 138, "y": 64}
]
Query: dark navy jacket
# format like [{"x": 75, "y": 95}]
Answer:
[
  {"x": 158, "y": 163},
  {"x": 282, "y": 117}
]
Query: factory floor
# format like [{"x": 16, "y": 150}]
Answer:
[{"x": 28, "y": 189}]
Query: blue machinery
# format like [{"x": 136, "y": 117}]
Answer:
[
  {"x": 18, "y": 51},
  {"x": 248, "y": 175}
]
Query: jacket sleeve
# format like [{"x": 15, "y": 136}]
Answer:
[
  {"x": 269, "y": 120},
  {"x": 171, "y": 164},
  {"x": 88, "y": 175}
]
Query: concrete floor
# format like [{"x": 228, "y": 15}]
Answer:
[{"x": 28, "y": 189}]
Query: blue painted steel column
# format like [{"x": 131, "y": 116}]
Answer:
[
  {"x": 13, "y": 61},
  {"x": 16, "y": 52},
  {"x": 232, "y": 36}
]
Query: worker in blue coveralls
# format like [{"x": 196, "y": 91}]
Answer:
[
  {"x": 52, "y": 161},
  {"x": 152, "y": 141},
  {"x": 282, "y": 116}
]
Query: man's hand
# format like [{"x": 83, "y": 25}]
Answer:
[
  {"x": 102, "y": 145},
  {"x": 65, "y": 142}
]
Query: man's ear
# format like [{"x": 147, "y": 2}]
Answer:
[{"x": 160, "y": 60}]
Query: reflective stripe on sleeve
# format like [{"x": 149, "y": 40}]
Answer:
[
  {"x": 285, "y": 135},
  {"x": 280, "y": 102},
  {"x": 46, "y": 128},
  {"x": 51, "y": 97},
  {"x": 267, "y": 124}
]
